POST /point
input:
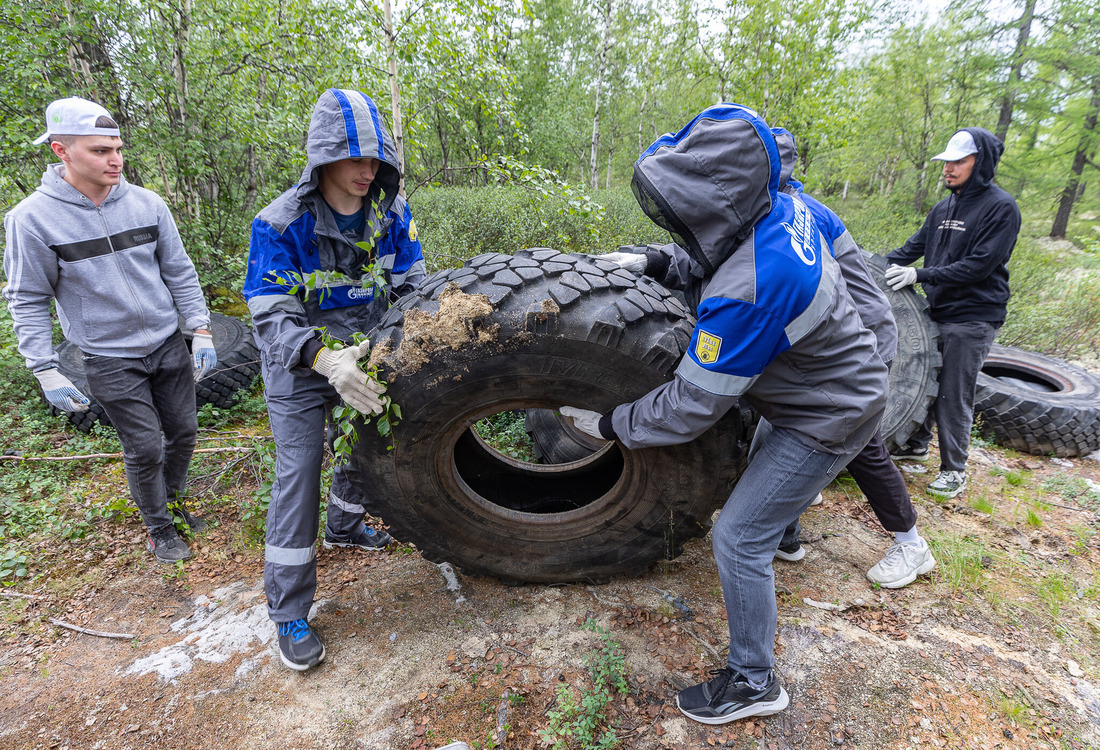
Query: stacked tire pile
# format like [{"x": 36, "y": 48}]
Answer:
[{"x": 238, "y": 366}]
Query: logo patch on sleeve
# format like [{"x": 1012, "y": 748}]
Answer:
[
  {"x": 412, "y": 231},
  {"x": 707, "y": 347}
]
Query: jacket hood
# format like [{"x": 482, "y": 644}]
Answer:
[
  {"x": 53, "y": 184},
  {"x": 788, "y": 157},
  {"x": 986, "y": 160},
  {"x": 346, "y": 124},
  {"x": 710, "y": 183}
]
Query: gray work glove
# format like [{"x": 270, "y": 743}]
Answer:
[
  {"x": 899, "y": 277},
  {"x": 633, "y": 262},
  {"x": 353, "y": 385},
  {"x": 203, "y": 354},
  {"x": 584, "y": 420},
  {"x": 61, "y": 392}
]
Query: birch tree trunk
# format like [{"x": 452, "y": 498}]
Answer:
[
  {"x": 605, "y": 45},
  {"x": 395, "y": 93}
]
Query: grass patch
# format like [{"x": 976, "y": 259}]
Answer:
[{"x": 962, "y": 560}]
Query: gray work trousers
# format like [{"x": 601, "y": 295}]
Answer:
[
  {"x": 151, "y": 403},
  {"x": 964, "y": 347},
  {"x": 298, "y": 409}
]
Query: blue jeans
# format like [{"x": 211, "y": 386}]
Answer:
[
  {"x": 783, "y": 476},
  {"x": 145, "y": 397}
]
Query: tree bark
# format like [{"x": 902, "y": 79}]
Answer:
[
  {"x": 1080, "y": 158},
  {"x": 395, "y": 94},
  {"x": 605, "y": 45},
  {"x": 1009, "y": 101}
]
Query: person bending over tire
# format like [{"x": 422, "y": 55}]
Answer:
[
  {"x": 347, "y": 194},
  {"x": 966, "y": 241},
  {"x": 775, "y": 326},
  {"x": 875, "y": 474},
  {"x": 108, "y": 253}
]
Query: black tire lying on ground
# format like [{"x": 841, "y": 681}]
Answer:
[
  {"x": 536, "y": 330},
  {"x": 238, "y": 365},
  {"x": 914, "y": 376},
  {"x": 1037, "y": 404}
]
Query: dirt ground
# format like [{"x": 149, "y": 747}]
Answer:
[{"x": 418, "y": 657}]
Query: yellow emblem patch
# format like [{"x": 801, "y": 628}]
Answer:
[
  {"x": 707, "y": 348},
  {"x": 412, "y": 231}
]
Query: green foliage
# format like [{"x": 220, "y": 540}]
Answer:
[
  {"x": 581, "y": 723},
  {"x": 457, "y": 223},
  {"x": 960, "y": 561},
  {"x": 12, "y": 565},
  {"x": 507, "y": 433}
]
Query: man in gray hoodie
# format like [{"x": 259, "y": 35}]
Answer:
[
  {"x": 108, "y": 253},
  {"x": 345, "y": 225}
]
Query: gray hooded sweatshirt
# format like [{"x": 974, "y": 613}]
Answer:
[{"x": 118, "y": 271}]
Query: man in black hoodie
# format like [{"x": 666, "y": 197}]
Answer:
[{"x": 966, "y": 242}]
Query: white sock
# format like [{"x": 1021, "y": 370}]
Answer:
[{"x": 907, "y": 537}]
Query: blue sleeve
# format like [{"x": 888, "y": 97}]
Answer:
[{"x": 278, "y": 316}]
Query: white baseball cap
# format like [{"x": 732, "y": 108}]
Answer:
[
  {"x": 76, "y": 116},
  {"x": 960, "y": 146}
]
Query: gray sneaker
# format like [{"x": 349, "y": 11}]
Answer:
[
  {"x": 902, "y": 564},
  {"x": 166, "y": 545},
  {"x": 948, "y": 484}
]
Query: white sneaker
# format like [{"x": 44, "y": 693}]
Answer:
[
  {"x": 902, "y": 564},
  {"x": 948, "y": 484},
  {"x": 817, "y": 500}
]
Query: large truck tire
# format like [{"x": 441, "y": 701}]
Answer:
[
  {"x": 1037, "y": 404},
  {"x": 539, "y": 329},
  {"x": 914, "y": 376},
  {"x": 238, "y": 366}
]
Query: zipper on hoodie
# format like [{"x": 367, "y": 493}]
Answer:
[{"x": 126, "y": 280}]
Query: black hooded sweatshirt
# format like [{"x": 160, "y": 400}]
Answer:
[{"x": 966, "y": 242}]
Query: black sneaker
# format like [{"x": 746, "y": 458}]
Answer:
[
  {"x": 909, "y": 453},
  {"x": 299, "y": 646},
  {"x": 196, "y": 524},
  {"x": 792, "y": 552},
  {"x": 729, "y": 697},
  {"x": 365, "y": 538},
  {"x": 166, "y": 545}
]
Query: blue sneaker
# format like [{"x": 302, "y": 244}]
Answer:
[
  {"x": 366, "y": 538},
  {"x": 299, "y": 646}
]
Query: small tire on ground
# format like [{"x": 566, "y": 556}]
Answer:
[
  {"x": 562, "y": 330},
  {"x": 914, "y": 376},
  {"x": 238, "y": 365},
  {"x": 1037, "y": 404}
]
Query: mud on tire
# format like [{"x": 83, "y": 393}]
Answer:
[
  {"x": 1037, "y": 404},
  {"x": 552, "y": 329}
]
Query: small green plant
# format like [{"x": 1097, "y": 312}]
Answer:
[
  {"x": 13, "y": 565},
  {"x": 506, "y": 432},
  {"x": 1012, "y": 708},
  {"x": 982, "y": 505},
  {"x": 582, "y": 723},
  {"x": 1055, "y": 590},
  {"x": 1033, "y": 519},
  {"x": 1014, "y": 478},
  {"x": 960, "y": 561}
]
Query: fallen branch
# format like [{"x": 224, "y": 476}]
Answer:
[
  {"x": 17, "y": 595},
  {"x": 86, "y": 631},
  {"x": 234, "y": 449}
]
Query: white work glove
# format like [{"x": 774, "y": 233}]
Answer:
[
  {"x": 61, "y": 392},
  {"x": 586, "y": 421},
  {"x": 203, "y": 354},
  {"x": 350, "y": 382},
  {"x": 899, "y": 277},
  {"x": 633, "y": 262}
]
